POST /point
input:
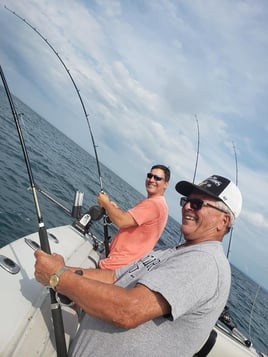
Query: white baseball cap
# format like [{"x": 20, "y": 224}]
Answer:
[{"x": 218, "y": 187}]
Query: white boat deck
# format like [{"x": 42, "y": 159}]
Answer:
[{"x": 25, "y": 304}]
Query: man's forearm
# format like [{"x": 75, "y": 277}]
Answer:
[
  {"x": 126, "y": 308},
  {"x": 103, "y": 275},
  {"x": 96, "y": 294}
]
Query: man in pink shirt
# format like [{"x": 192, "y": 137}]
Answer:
[{"x": 140, "y": 227}]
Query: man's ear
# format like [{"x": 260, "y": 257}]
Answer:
[{"x": 225, "y": 222}]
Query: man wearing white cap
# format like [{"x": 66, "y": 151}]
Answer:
[{"x": 167, "y": 302}]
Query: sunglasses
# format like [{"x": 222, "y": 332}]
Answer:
[
  {"x": 196, "y": 204},
  {"x": 156, "y": 177}
]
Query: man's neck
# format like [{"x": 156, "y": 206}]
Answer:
[
  {"x": 189, "y": 243},
  {"x": 152, "y": 195}
]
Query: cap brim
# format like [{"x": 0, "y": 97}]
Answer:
[{"x": 186, "y": 188}]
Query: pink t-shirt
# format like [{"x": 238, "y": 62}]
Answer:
[{"x": 130, "y": 244}]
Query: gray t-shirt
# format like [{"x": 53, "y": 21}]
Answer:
[{"x": 194, "y": 280}]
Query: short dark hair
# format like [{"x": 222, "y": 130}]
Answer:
[{"x": 165, "y": 169}]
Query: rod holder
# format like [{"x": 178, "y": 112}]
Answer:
[{"x": 77, "y": 204}]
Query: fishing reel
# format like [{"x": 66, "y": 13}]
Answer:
[
  {"x": 226, "y": 319},
  {"x": 83, "y": 223}
]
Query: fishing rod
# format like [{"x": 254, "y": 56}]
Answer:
[
  {"x": 75, "y": 86},
  {"x": 225, "y": 317},
  {"x": 244, "y": 339},
  {"x": 236, "y": 182},
  {"x": 44, "y": 243},
  {"x": 52, "y": 199},
  {"x": 106, "y": 220},
  {"x": 196, "y": 160},
  {"x": 198, "y": 145}
]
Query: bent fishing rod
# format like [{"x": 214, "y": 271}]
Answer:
[
  {"x": 196, "y": 160},
  {"x": 198, "y": 146},
  {"x": 106, "y": 220},
  {"x": 236, "y": 182},
  {"x": 44, "y": 243},
  {"x": 75, "y": 86}
]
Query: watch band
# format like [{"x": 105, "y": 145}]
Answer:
[
  {"x": 60, "y": 271},
  {"x": 64, "y": 300}
]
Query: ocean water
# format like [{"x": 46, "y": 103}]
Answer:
[{"x": 60, "y": 167}]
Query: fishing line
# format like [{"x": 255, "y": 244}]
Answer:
[
  {"x": 44, "y": 243},
  {"x": 252, "y": 309},
  {"x": 75, "y": 86}
]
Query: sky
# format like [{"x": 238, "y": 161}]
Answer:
[{"x": 178, "y": 82}]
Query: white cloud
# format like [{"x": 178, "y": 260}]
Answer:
[{"x": 257, "y": 219}]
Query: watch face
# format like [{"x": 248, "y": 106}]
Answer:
[{"x": 54, "y": 280}]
